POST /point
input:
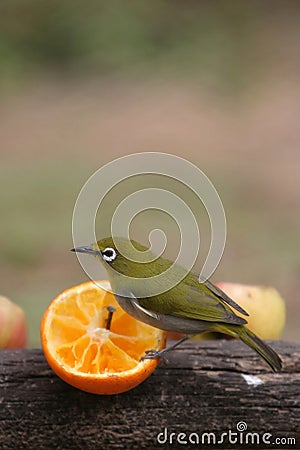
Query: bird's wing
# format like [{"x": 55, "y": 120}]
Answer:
[
  {"x": 135, "y": 303},
  {"x": 191, "y": 303},
  {"x": 223, "y": 297}
]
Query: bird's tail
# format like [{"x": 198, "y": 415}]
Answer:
[{"x": 253, "y": 341}]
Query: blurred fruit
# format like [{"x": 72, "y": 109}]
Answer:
[
  {"x": 13, "y": 332},
  {"x": 264, "y": 304},
  {"x": 88, "y": 352}
]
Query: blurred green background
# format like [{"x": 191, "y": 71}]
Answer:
[{"x": 81, "y": 83}]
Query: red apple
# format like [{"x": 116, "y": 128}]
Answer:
[{"x": 13, "y": 332}]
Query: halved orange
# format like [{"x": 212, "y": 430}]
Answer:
[{"x": 85, "y": 353}]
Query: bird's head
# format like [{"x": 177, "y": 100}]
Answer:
[{"x": 124, "y": 256}]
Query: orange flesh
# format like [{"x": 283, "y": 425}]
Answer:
[{"x": 76, "y": 341}]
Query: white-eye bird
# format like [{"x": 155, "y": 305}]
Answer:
[{"x": 189, "y": 307}]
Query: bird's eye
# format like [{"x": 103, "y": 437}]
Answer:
[{"x": 109, "y": 254}]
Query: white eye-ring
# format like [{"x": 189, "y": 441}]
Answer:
[{"x": 109, "y": 254}]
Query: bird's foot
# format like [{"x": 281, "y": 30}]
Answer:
[{"x": 152, "y": 354}]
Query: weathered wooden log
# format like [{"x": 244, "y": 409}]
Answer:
[{"x": 212, "y": 394}]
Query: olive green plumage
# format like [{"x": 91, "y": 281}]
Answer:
[{"x": 188, "y": 307}]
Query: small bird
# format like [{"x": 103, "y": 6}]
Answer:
[{"x": 189, "y": 306}]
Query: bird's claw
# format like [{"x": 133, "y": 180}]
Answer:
[{"x": 151, "y": 354}]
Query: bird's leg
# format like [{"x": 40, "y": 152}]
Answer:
[{"x": 153, "y": 354}]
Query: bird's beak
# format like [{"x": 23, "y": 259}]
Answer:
[{"x": 85, "y": 249}]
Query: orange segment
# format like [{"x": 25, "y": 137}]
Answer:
[{"x": 87, "y": 355}]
